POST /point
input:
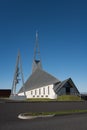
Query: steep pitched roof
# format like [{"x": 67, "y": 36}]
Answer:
[
  {"x": 38, "y": 79},
  {"x": 61, "y": 84}
]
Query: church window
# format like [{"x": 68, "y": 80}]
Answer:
[
  {"x": 48, "y": 90},
  {"x": 35, "y": 92},
  {"x": 39, "y": 91},
  {"x": 44, "y": 91},
  {"x": 31, "y": 92}
]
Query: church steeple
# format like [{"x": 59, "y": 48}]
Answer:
[
  {"x": 37, "y": 58},
  {"x": 18, "y": 75},
  {"x": 36, "y": 49}
]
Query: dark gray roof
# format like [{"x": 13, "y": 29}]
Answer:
[
  {"x": 38, "y": 79},
  {"x": 57, "y": 87}
]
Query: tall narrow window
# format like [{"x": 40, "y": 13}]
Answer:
[
  {"x": 48, "y": 90},
  {"x": 39, "y": 91},
  {"x": 44, "y": 91},
  {"x": 31, "y": 92},
  {"x": 35, "y": 92}
]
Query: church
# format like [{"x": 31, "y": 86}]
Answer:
[{"x": 42, "y": 84}]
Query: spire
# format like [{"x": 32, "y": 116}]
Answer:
[
  {"x": 37, "y": 59},
  {"x": 36, "y": 49},
  {"x": 18, "y": 75}
]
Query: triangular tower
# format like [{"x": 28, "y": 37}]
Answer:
[
  {"x": 18, "y": 75},
  {"x": 37, "y": 58}
]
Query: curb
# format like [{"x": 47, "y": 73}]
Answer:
[{"x": 22, "y": 116}]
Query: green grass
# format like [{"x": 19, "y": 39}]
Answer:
[
  {"x": 60, "y": 98},
  {"x": 69, "y": 98},
  {"x": 40, "y": 99},
  {"x": 54, "y": 113}
]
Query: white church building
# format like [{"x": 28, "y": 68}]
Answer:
[{"x": 41, "y": 84}]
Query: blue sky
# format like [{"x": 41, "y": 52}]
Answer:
[{"x": 62, "y": 27}]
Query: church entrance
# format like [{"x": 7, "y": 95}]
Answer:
[{"x": 67, "y": 90}]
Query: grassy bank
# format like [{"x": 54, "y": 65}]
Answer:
[
  {"x": 69, "y": 98},
  {"x": 59, "y": 98},
  {"x": 54, "y": 113}
]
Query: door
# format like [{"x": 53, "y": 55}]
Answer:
[{"x": 67, "y": 90}]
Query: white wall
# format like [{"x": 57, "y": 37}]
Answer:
[{"x": 42, "y": 92}]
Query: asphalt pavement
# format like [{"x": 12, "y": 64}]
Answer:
[
  {"x": 9, "y": 112},
  {"x": 70, "y": 122}
]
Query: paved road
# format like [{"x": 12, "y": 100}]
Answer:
[
  {"x": 9, "y": 112},
  {"x": 70, "y": 122}
]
